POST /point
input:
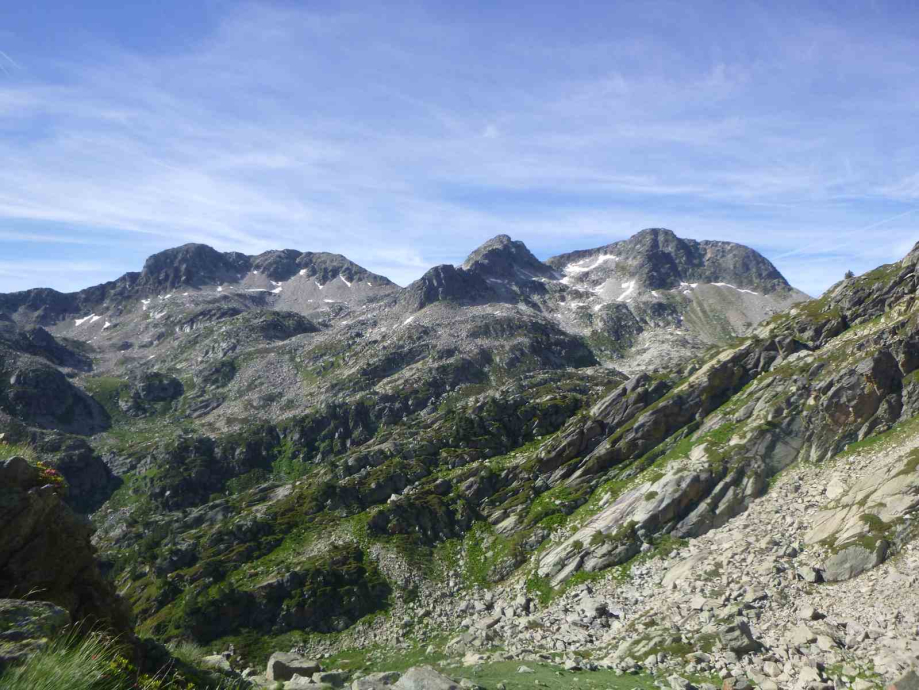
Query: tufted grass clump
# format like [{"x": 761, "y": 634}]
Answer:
[
  {"x": 94, "y": 661},
  {"x": 90, "y": 663},
  {"x": 49, "y": 474},
  {"x": 11, "y": 450}
]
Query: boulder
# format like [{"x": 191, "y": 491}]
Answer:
[
  {"x": 738, "y": 638},
  {"x": 283, "y": 666},
  {"x": 17, "y": 472},
  {"x": 424, "y": 678},
  {"x": 809, "y": 613},
  {"x": 334, "y": 678},
  {"x": 27, "y": 627},
  {"x": 592, "y": 608},
  {"x": 680, "y": 683},
  {"x": 802, "y": 635},
  {"x": 376, "y": 681},
  {"x": 810, "y": 675},
  {"x": 810, "y": 575},
  {"x": 852, "y": 561},
  {"x": 217, "y": 661}
]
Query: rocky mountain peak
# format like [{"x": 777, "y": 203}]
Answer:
[
  {"x": 657, "y": 259},
  {"x": 504, "y": 259},
  {"x": 444, "y": 283},
  {"x": 663, "y": 261},
  {"x": 658, "y": 236},
  {"x": 190, "y": 265},
  {"x": 323, "y": 267}
]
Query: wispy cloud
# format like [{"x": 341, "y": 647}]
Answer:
[{"x": 402, "y": 144}]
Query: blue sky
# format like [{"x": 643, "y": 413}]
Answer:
[{"x": 404, "y": 134}]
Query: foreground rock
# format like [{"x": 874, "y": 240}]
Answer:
[
  {"x": 425, "y": 678},
  {"x": 27, "y": 627},
  {"x": 45, "y": 548},
  {"x": 376, "y": 681},
  {"x": 284, "y": 665}
]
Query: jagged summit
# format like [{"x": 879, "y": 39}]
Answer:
[
  {"x": 490, "y": 273},
  {"x": 194, "y": 265},
  {"x": 198, "y": 266},
  {"x": 504, "y": 259}
]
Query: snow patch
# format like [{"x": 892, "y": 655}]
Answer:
[
  {"x": 220, "y": 289},
  {"x": 107, "y": 324},
  {"x": 629, "y": 289},
  {"x": 94, "y": 318},
  {"x": 277, "y": 290},
  {"x": 145, "y": 302},
  {"x": 343, "y": 280},
  {"x": 80, "y": 322},
  {"x": 330, "y": 301},
  {"x": 408, "y": 320},
  {"x": 579, "y": 267},
  {"x": 318, "y": 285},
  {"x": 749, "y": 292}
]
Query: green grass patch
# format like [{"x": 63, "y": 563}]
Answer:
[
  {"x": 23, "y": 450},
  {"x": 548, "y": 677}
]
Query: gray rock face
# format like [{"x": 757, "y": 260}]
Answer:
[
  {"x": 41, "y": 395},
  {"x": 852, "y": 561},
  {"x": 283, "y": 666},
  {"x": 154, "y": 387},
  {"x": 40, "y": 343},
  {"x": 90, "y": 482},
  {"x": 424, "y": 678}
]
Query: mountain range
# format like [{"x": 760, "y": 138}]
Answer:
[
  {"x": 654, "y": 454},
  {"x": 646, "y": 303}
]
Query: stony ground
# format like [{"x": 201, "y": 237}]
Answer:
[{"x": 753, "y": 586}]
